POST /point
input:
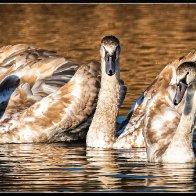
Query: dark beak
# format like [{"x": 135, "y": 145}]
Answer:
[
  {"x": 181, "y": 88},
  {"x": 110, "y": 66}
]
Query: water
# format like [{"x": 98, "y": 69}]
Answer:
[
  {"x": 151, "y": 36},
  {"x": 70, "y": 167}
]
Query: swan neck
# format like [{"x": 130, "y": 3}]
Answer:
[
  {"x": 180, "y": 149},
  {"x": 102, "y": 131},
  {"x": 187, "y": 120}
]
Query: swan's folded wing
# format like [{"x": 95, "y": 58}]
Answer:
[
  {"x": 52, "y": 83},
  {"x": 21, "y": 55},
  {"x": 78, "y": 133},
  {"x": 22, "y": 52},
  {"x": 8, "y": 56},
  {"x": 63, "y": 110},
  {"x": 33, "y": 89},
  {"x": 62, "y": 75},
  {"x": 10, "y": 51},
  {"x": 123, "y": 91}
]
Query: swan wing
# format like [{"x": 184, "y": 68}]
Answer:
[
  {"x": 60, "y": 111},
  {"x": 13, "y": 57},
  {"x": 38, "y": 78},
  {"x": 123, "y": 91},
  {"x": 50, "y": 81}
]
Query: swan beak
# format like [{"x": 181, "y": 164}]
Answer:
[
  {"x": 181, "y": 88},
  {"x": 110, "y": 66}
]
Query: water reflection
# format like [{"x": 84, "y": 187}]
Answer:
[
  {"x": 131, "y": 174},
  {"x": 171, "y": 177},
  {"x": 71, "y": 167},
  {"x": 41, "y": 167},
  {"x": 106, "y": 165}
]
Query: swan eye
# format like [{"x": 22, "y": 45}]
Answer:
[
  {"x": 105, "y": 52},
  {"x": 106, "y": 56},
  {"x": 184, "y": 80}
]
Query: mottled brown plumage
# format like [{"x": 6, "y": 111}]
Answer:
[
  {"x": 154, "y": 119},
  {"x": 54, "y": 96},
  {"x": 102, "y": 131}
]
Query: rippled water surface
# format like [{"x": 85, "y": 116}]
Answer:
[{"x": 151, "y": 36}]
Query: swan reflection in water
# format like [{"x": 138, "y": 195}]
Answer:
[
  {"x": 129, "y": 171},
  {"x": 62, "y": 167},
  {"x": 171, "y": 177}
]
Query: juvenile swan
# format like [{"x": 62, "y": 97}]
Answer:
[
  {"x": 154, "y": 110},
  {"x": 102, "y": 131},
  {"x": 178, "y": 147},
  {"x": 43, "y": 96},
  {"x": 152, "y": 113}
]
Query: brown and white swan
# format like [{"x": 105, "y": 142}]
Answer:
[
  {"x": 153, "y": 119},
  {"x": 154, "y": 111},
  {"x": 43, "y": 96},
  {"x": 175, "y": 142},
  {"x": 102, "y": 131}
]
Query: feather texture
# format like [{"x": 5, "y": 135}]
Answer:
[
  {"x": 54, "y": 95},
  {"x": 154, "y": 119}
]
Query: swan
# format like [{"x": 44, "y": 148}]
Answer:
[
  {"x": 44, "y": 97},
  {"x": 153, "y": 111},
  {"x": 102, "y": 131},
  {"x": 178, "y": 146}
]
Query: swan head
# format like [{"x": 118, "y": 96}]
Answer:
[
  {"x": 110, "y": 52},
  {"x": 185, "y": 76}
]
